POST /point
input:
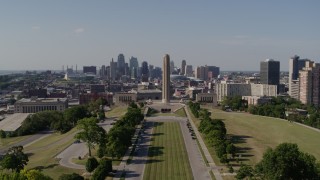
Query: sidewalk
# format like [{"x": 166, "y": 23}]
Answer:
[
  {"x": 122, "y": 166},
  {"x": 213, "y": 166}
]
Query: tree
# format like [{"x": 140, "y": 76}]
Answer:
[
  {"x": 224, "y": 159},
  {"x": 90, "y": 132},
  {"x": 91, "y": 164},
  {"x": 104, "y": 168},
  {"x": 13, "y": 175},
  {"x": 76, "y": 113},
  {"x": 231, "y": 149},
  {"x": 119, "y": 139},
  {"x": 59, "y": 123},
  {"x": 73, "y": 176},
  {"x": 2, "y": 134},
  {"x": 34, "y": 175},
  {"x": 287, "y": 162},
  {"x": 15, "y": 159},
  {"x": 244, "y": 171}
]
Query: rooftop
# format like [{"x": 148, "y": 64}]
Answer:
[
  {"x": 26, "y": 100},
  {"x": 13, "y": 122}
]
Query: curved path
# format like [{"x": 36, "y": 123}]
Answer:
[{"x": 78, "y": 149}]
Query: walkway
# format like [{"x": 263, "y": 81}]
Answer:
[{"x": 213, "y": 166}]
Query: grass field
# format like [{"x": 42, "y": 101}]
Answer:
[
  {"x": 168, "y": 158},
  {"x": 181, "y": 112},
  {"x": 5, "y": 142},
  {"x": 117, "y": 111},
  {"x": 254, "y": 134},
  {"x": 43, "y": 152}
]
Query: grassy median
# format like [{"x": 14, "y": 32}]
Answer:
[{"x": 167, "y": 158}]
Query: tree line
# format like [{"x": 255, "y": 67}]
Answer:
[
  {"x": 120, "y": 135},
  {"x": 215, "y": 133},
  {"x": 112, "y": 144},
  {"x": 277, "y": 108}
]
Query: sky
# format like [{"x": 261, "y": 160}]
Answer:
[{"x": 234, "y": 35}]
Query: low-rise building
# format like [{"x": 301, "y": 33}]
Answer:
[
  {"x": 34, "y": 105},
  {"x": 240, "y": 89},
  {"x": 207, "y": 98},
  {"x": 124, "y": 97},
  {"x": 140, "y": 95},
  {"x": 89, "y": 97},
  {"x": 257, "y": 100},
  {"x": 153, "y": 94}
]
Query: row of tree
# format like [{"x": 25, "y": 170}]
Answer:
[
  {"x": 215, "y": 133},
  {"x": 53, "y": 120},
  {"x": 235, "y": 103},
  {"x": 284, "y": 162},
  {"x": 276, "y": 107},
  {"x": 113, "y": 144},
  {"x": 120, "y": 135}
]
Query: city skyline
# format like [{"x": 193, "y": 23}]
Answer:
[{"x": 236, "y": 36}]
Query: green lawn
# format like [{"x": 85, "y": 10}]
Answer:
[
  {"x": 167, "y": 158},
  {"x": 117, "y": 111},
  {"x": 43, "y": 152},
  {"x": 5, "y": 142},
  {"x": 164, "y": 114},
  {"x": 254, "y": 134},
  {"x": 181, "y": 112}
]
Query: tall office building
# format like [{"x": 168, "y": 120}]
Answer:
[
  {"x": 166, "y": 79},
  {"x": 108, "y": 72},
  {"x": 213, "y": 72},
  {"x": 201, "y": 73},
  {"x": 121, "y": 65},
  {"x": 103, "y": 71},
  {"x": 295, "y": 65},
  {"x": 171, "y": 67},
  {"x": 189, "y": 71},
  {"x": 309, "y": 83},
  {"x": 144, "y": 71},
  {"x": 305, "y": 77},
  {"x": 113, "y": 70},
  {"x": 151, "y": 68},
  {"x": 133, "y": 67},
  {"x": 183, "y": 67},
  {"x": 270, "y": 72},
  {"x": 89, "y": 69}
]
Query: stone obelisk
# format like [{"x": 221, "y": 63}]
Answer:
[{"x": 166, "y": 79}]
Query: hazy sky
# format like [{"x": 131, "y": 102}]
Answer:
[{"x": 235, "y": 35}]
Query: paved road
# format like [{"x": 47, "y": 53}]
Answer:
[
  {"x": 213, "y": 166},
  {"x": 135, "y": 170},
  {"x": 73, "y": 151},
  {"x": 79, "y": 150}
]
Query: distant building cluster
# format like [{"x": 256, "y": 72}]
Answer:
[
  {"x": 304, "y": 80},
  {"x": 122, "y": 81}
]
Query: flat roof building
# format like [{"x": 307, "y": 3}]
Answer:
[{"x": 34, "y": 105}]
